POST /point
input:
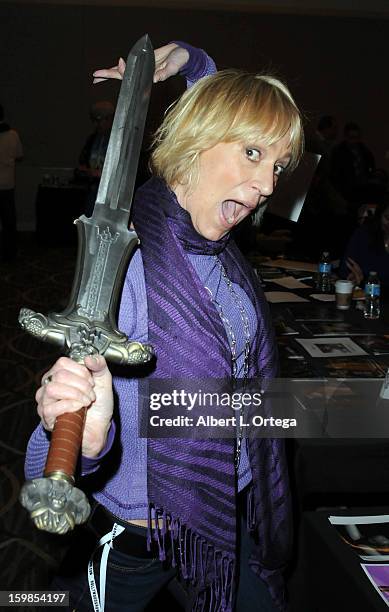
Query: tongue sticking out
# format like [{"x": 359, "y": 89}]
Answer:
[{"x": 229, "y": 211}]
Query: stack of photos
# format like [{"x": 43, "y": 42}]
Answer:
[{"x": 368, "y": 537}]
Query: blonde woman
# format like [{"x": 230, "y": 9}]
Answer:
[{"x": 214, "y": 512}]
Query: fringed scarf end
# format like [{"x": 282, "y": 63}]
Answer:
[{"x": 196, "y": 560}]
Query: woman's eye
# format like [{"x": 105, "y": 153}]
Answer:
[
  {"x": 253, "y": 154},
  {"x": 278, "y": 169}
]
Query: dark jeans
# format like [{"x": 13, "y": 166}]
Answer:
[
  {"x": 8, "y": 224},
  {"x": 133, "y": 582}
]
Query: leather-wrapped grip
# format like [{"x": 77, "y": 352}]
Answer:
[{"x": 65, "y": 443}]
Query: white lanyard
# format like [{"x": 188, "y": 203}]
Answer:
[{"x": 106, "y": 541}]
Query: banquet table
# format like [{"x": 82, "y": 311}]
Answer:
[
  {"x": 329, "y": 473},
  {"x": 328, "y": 470}
]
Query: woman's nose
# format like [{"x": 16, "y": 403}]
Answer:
[{"x": 263, "y": 180}]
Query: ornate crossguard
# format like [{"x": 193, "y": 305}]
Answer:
[{"x": 87, "y": 326}]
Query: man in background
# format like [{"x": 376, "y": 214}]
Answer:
[
  {"x": 352, "y": 166},
  {"x": 91, "y": 161},
  {"x": 11, "y": 150}
]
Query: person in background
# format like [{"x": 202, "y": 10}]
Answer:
[
  {"x": 325, "y": 222},
  {"x": 216, "y": 511},
  {"x": 368, "y": 249},
  {"x": 325, "y": 136},
  {"x": 91, "y": 161},
  {"x": 11, "y": 150},
  {"x": 352, "y": 165}
]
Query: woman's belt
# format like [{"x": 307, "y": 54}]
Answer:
[{"x": 132, "y": 541}]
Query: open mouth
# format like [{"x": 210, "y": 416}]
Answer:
[{"x": 231, "y": 211}]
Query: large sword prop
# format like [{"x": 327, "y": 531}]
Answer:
[{"x": 87, "y": 326}]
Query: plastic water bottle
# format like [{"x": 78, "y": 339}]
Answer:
[
  {"x": 323, "y": 282},
  {"x": 372, "y": 296}
]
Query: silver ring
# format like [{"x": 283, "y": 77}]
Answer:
[{"x": 48, "y": 379}]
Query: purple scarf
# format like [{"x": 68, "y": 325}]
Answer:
[{"x": 192, "y": 483}]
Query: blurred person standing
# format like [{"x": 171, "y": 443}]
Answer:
[
  {"x": 325, "y": 222},
  {"x": 352, "y": 165},
  {"x": 92, "y": 156},
  {"x": 368, "y": 249},
  {"x": 11, "y": 150}
]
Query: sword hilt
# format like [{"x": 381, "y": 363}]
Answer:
[
  {"x": 54, "y": 503},
  {"x": 79, "y": 337}
]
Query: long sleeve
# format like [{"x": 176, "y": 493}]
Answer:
[{"x": 198, "y": 65}]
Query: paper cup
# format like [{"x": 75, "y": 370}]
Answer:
[{"x": 343, "y": 294}]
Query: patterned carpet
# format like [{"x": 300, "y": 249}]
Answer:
[{"x": 39, "y": 279}]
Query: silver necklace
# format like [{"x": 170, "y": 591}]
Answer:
[{"x": 233, "y": 344}]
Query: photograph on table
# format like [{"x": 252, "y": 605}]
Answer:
[
  {"x": 378, "y": 575},
  {"x": 367, "y": 536},
  {"x": 280, "y": 297},
  {"x": 331, "y": 347},
  {"x": 289, "y": 282}
]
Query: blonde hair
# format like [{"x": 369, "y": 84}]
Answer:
[{"x": 228, "y": 106}]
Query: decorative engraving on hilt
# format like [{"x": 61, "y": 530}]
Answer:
[
  {"x": 55, "y": 505},
  {"x": 87, "y": 343},
  {"x": 138, "y": 353},
  {"x": 34, "y": 323},
  {"x": 89, "y": 310},
  {"x": 41, "y": 327}
]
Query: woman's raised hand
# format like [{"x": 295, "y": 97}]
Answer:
[
  {"x": 356, "y": 274},
  {"x": 69, "y": 386},
  {"x": 169, "y": 59}
]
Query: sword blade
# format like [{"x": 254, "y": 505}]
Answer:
[
  {"x": 121, "y": 162},
  {"x": 88, "y": 324}
]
